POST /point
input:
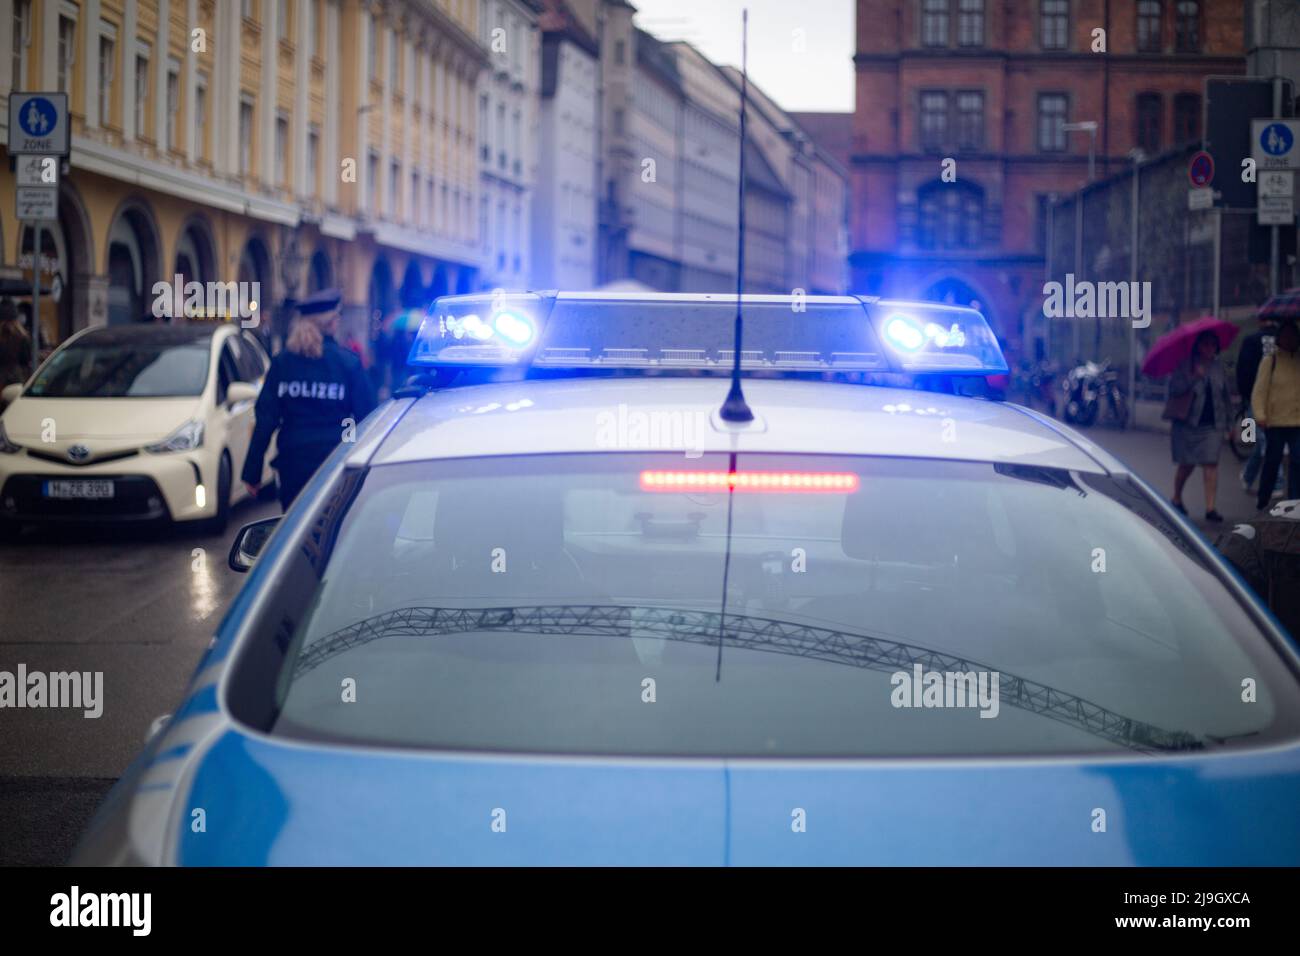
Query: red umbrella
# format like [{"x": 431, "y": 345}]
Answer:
[
  {"x": 1284, "y": 305},
  {"x": 1173, "y": 348}
]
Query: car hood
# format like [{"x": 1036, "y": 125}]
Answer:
[
  {"x": 102, "y": 419},
  {"x": 280, "y": 803}
]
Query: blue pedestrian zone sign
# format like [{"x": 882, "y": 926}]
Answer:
[
  {"x": 38, "y": 123},
  {"x": 1276, "y": 140},
  {"x": 1273, "y": 143}
]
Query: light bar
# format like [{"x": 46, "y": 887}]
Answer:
[
  {"x": 486, "y": 329},
  {"x": 778, "y": 482},
  {"x": 593, "y": 330},
  {"x": 934, "y": 338}
]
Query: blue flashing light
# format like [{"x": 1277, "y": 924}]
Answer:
[
  {"x": 902, "y": 333},
  {"x": 515, "y": 329}
]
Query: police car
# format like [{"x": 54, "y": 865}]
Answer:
[
  {"x": 143, "y": 422},
  {"x": 558, "y": 606}
]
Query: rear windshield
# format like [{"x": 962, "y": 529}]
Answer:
[
  {"x": 829, "y": 606},
  {"x": 124, "y": 370}
]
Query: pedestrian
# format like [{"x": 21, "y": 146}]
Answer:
[
  {"x": 1276, "y": 400},
  {"x": 1255, "y": 348},
  {"x": 15, "y": 345},
  {"x": 1197, "y": 436},
  {"x": 313, "y": 390}
]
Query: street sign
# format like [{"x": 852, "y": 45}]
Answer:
[
  {"x": 37, "y": 170},
  {"x": 1274, "y": 143},
  {"x": 38, "y": 123},
  {"x": 37, "y": 204},
  {"x": 1276, "y": 211},
  {"x": 1198, "y": 199},
  {"x": 1201, "y": 169},
  {"x": 1231, "y": 102},
  {"x": 1276, "y": 182}
]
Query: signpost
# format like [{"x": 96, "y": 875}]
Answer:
[
  {"x": 39, "y": 140},
  {"x": 1201, "y": 169},
  {"x": 1276, "y": 192}
]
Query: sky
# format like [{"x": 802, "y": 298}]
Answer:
[{"x": 818, "y": 78}]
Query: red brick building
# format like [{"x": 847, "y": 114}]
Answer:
[{"x": 989, "y": 84}]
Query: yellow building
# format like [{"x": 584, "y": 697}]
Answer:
[{"x": 294, "y": 143}]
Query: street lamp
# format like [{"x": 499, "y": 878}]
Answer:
[{"x": 1089, "y": 127}]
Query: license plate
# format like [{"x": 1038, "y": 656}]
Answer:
[{"x": 77, "y": 489}]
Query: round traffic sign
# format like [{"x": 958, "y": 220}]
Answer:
[
  {"x": 38, "y": 117},
  {"x": 1201, "y": 169},
  {"x": 1276, "y": 139}
]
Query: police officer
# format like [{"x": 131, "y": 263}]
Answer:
[{"x": 313, "y": 387}]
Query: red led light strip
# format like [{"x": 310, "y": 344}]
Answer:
[{"x": 780, "y": 482}]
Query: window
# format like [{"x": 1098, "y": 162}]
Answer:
[
  {"x": 391, "y": 54},
  {"x": 281, "y": 151},
  {"x": 934, "y": 118},
  {"x": 1187, "y": 118},
  {"x": 415, "y": 195},
  {"x": 22, "y": 38},
  {"x": 484, "y": 131},
  {"x": 173, "y": 104},
  {"x": 201, "y": 117},
  {"x": 312, "y": 27},
  {"x": 246, "y": 9},
  {"x": 372, "y": 45},
  {"x": 246, "y": 137},
  {"x": 1052, "y": 111},
  {"x": 970, "y": 22},
  {"x": 1148, "y": 122},
  {"x": 67, "y": 52},
  {"x": 313, "y": 160},
  {"x": 1054, "y": 24},
  {"x": 107, "y": 69},
  {"x": 372, "y": 182},
  {"x": 394, "y": 183},
  {"x": 141, "y": 94},
  {"x": 1188, "y": 26},
  {"x": 950, "y": 216},
  {"x": 934, "y": 23},
  {"x": 1148, "y": 26},
  {"x": 282, "y": 19},
  {"x": 620, "y": 52},
  {"x": 970, "y": 119}
]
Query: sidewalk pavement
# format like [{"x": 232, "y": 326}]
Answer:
[{"x": 1147, "y": 452}]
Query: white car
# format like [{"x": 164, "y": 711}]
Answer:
[{"x": 136, "y": 423}]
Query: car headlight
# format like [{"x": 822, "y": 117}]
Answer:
[
  {"x": 186, "y": 438},
  {"x": 6, "y": 446}
]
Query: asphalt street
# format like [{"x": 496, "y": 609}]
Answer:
[
  {"x": 138, "y": 604},
  {"x": 141, "y": 604}
]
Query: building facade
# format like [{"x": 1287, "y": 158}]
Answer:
[
  {"x": 960, "y": 138},
  {"x": 296, "y": 144},
  {"x": 564, "y": 197},
  {"x": 507, "y": 119}
]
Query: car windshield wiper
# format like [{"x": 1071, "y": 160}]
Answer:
[{"x": 745, "y": 632}]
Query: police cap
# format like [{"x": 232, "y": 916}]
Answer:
[{"x": 325, "y": 300}]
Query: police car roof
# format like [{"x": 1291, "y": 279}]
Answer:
[{"x": 799, "y": 417}]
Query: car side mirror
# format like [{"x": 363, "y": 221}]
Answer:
[
  {"x": 237, "y": 392},
  {"x": 11, "y": 392},
  {"x": 249, "y": 542}
]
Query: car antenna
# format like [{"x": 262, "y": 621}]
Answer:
[{"x": 735, "y": 408}]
